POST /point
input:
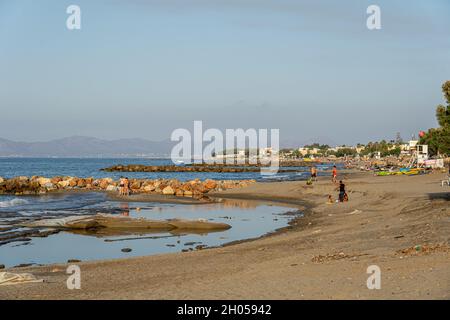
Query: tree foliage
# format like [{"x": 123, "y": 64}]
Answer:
[
  {"x": 438, "y": 139},
  {"x": 344, "y": 152},
  {"x": 383, "y": 147}
]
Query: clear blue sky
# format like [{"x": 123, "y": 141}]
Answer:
[{"x": 143, "y": 68}]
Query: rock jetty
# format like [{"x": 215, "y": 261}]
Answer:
[
  {"x": 190, "y": 168},
  {"x": 172, "y": 187}
]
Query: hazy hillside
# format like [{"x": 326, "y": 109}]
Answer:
[
  {"x": 79, "y": 146},
  {"x": 85, "y": 147}
]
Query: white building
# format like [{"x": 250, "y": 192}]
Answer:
[{"x": 304, "y": 151}]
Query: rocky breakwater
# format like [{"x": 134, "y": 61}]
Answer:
[
  {"x": 189, "y": 168},
  {"x": 282, "y": 163},
  {"x": 172, "y": 187}
]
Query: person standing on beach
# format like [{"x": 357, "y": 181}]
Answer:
[
  {"x": 121, "y": 186},
  {"x": 342, "y": 194},
  {"x": 334, "y": 175},
  {"x": 126, "y": 187},
  {"x": 313, "y": 173}
]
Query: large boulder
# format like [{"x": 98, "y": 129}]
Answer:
[
  {"x": 111, "y": 188},
  {"x": 194, "y": 182},
  {"x": 19, "y": 185},
  {"x": 186, "y": 187},
  {"x": 49, "y": 186},
  {"x": 55, "y": 180},
  {"x": 96, "y": 182},
  {"x": 34, "y": 186},
  {"x": 43, "y": 181},
  {"x": 81, "y": 183},
  {"x": 209, "y": 184},
  {"x": 149, "y": 188},
  {"x": 227, "y": 184},
  {"x": 135, "y": 185},
  {"x": 63, "y": 184},
  {"x": 73, "y": 182},
  {"x": 104, "y": 183},
  {"x": 15, "y": 185},
  {"x": 168, "y": 190},
  {"x": 161, "y": 187}
]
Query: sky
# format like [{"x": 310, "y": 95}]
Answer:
[{"x": 145, "y": 68}]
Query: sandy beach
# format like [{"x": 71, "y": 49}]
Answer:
[{"x": 399, "y": 223}]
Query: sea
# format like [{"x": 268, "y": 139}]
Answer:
[
  {"x": 248, "y": 219},
  {"x": 90, "y": 167}
]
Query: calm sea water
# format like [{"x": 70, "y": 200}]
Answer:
[
  {"x": 248, "y": 219},
  {"x": 90, "y": 167}
]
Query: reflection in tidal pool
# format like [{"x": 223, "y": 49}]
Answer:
[{"x": 248, "y": 219}]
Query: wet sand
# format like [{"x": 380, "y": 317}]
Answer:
[{"x": 323, "y": 255}]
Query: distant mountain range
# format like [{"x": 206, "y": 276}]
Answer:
[{"x": 79, "y": 146}]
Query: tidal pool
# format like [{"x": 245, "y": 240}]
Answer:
[{"x": 248, "y": 219}]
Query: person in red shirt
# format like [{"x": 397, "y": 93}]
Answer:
[{"x": 334, "y": 175}]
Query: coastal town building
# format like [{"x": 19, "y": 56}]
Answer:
[{"x": 305, "y": 150}]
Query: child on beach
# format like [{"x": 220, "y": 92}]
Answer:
[
  {"x": 334, "y": 175},
  {"x": 330, "y": 199}
]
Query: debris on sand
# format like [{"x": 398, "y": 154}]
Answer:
[
  {"x": 424, "y": 249},
  {"x": 73, "y": 261},
  {"x": 334, "y": 256},
  {"x": 8, "y": 278}
]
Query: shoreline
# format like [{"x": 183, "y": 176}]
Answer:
[
  {"x": 327, "y": 233},
  {"x": 152, "y": 198},
  {"x": 302, "y": 206}
]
